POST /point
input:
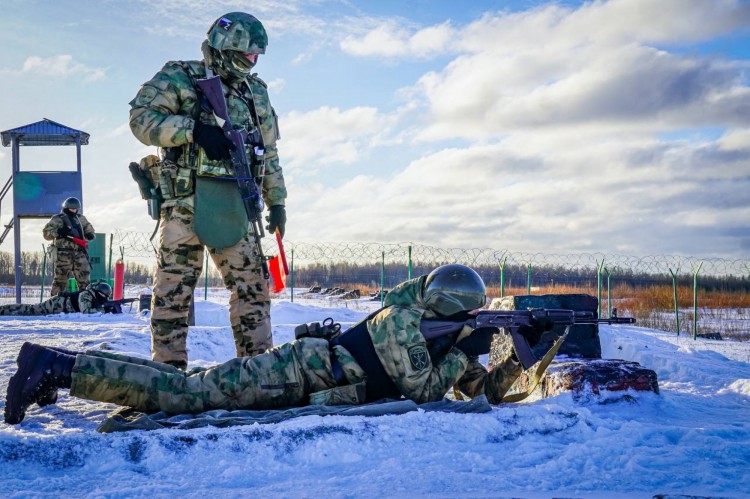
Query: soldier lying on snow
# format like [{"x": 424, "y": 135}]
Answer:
[
  {"x": 385, "y": 355},
  {"x": 88, "y": 301}
]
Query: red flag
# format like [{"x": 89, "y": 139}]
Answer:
[
  {"x": 278, "y": 276},
  {"x": 80, "y": 242}
]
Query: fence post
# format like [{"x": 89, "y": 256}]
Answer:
[
  {"x": 528, "y": 279},
  {"x": 205, "y": 281},
  {"x": 109, "y": 267},
  {"x": 44, "y": 273},
  {"x": 609, "y": 292},
  {"x": 410, "y": 261},
  {"x": 674, "y": 295},
  {"x": 291, "y": 278},
  {"x": 382, "y": 278},
  {"x": 599, "y": 268},
  {"x": 695, "y": 301},
  {"x": 502, "y": 277}
]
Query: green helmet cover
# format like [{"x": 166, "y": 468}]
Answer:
[
  {"x": 238, "y": 31},
  {"x": 454, "y": 288}
]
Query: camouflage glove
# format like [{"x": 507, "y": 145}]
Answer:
[
  {"x": 64, "y": 231},
  {"x": 276, "y": 219},
  {"x": 478, "y": 342},
  {"x": 533, "y": 332},
  {"x": 213, "y": 141}
]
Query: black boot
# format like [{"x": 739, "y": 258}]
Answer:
[
  {"x": 50, "y": 397},
  {"x": 40, "y": 370}
]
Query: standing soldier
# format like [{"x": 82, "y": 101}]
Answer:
[
  {"x": 70, "y": 232},
  {"x": 202, "y": 206}
]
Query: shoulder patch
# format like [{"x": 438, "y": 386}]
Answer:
[
  {"x": 418, "y": 357},
  {"x": 145, "y": 95}
]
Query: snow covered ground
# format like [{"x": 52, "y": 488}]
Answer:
[{"x": 692, "y": 438}]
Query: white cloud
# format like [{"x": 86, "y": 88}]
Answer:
[
  {"x": 390, "y": 39},
  {"x": 346, "y": 133},
  {"x": 62, "y": 66},
  {"x": 561, "y": 198}
]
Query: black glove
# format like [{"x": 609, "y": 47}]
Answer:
[
  {"x": 212, "y": 139},
  {"x": 478, "y": 342},
  {"x": 276, "y": 219},
  {"x": 64, "y": 231},
  {"x": 533, "y": 332},
  {"x": 89, "y": 236}
]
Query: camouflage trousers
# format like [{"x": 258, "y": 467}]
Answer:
[
  {"x": 179, "y": 264},
  {"x": 284, "y": 376},
  {"x": 54, "y": 305},
  {"x": 74, "y": 263}
]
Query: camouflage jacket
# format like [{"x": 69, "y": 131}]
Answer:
[
  {"x": 164, "y": 111},
  {"x": 403, "y": 350},
  {"x": 83, "y": 231}
]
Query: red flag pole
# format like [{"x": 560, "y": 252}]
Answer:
[{"x": 282, "y": 253}]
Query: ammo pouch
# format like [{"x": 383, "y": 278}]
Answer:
[
  {"x": 340, "y": 395},
  {"x": 327, "y": 330},
  {"x": 175, "y": 181}
]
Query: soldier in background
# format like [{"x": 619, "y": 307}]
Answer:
[
  {"x": 201, "y": 207},
  {"x": 384, "y": 356},
  {"x": 69, "y": 255},
  {"x": 87, "y": 301}
]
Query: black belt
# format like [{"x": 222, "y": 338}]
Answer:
[{"x": 338, "y": 371}]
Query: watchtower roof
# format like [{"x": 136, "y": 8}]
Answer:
[{"x": 44, "y": 133}]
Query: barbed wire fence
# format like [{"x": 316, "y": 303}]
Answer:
[
  {"x": 377, "y": 267},
  {"x": 137, "y": 246}
]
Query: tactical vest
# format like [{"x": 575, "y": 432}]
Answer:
[{"x": 187, "y": 178}]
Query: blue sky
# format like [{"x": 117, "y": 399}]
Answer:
[{"x": 619, "y": 126}]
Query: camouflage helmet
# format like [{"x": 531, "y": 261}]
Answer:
[
  {"x": 239, "y": 32},
  {"x": 450, "y": 289},
  {"x": 233, "y": 36},
  {"x": 101, "y": 288},
  {"x": 71, "y": 204}
]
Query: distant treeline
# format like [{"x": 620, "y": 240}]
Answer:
[
  {"x": 335, "y": 274},
  {"x": 32, "y": 263}
]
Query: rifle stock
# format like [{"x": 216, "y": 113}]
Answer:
[
  {"x": 251, "y": 196},
  {"x": 512, "y": 320}
]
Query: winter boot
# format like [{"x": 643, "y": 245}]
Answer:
[
  {"x": 50, "y": 397},
  {"x": 40, "y": 370}
]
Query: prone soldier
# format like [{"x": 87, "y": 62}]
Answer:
[{"x": 384, "y": 356}]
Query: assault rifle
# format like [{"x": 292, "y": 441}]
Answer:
[
  {"x": 249, "y": 191},
  {"x": 512, "y": 320},
  {"x": 115, "y": 306}
]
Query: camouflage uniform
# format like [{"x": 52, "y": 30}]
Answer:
[
  {"x": 296, "y": 373},
  {"x": 71, "y": 259},
  {"x": 85, "y": 302},
  {"x": 163, "y": 114}
]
